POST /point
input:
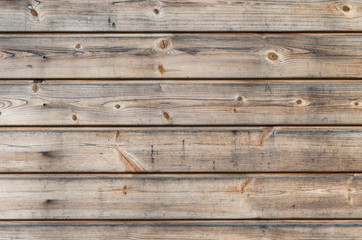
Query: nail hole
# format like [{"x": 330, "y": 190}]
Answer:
[
  {"x": 44, "y": 104},
  {"x": 74, "y": 117},
  {"x": 48, "y": 201},
  {"x": 156, "y": 11},
  {"x": 272, "y": 56},
  {"x": 45, "y": 57},
  {"x": 117, "y": 106}
]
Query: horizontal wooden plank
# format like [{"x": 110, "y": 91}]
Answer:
[
  {"x": 187, "y": 15},
  {"x": 180, "y": 102},
  {"x": 180, "y": 56},
  {"x": 181, "y": 230},
  {"x": 180, "y": 196},
  {"x": 221, "y": 149}
]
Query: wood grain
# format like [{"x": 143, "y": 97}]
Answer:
[
  {"x": 180, "y": 102},
  {"x": 180, "y": 56},
  {"x": 182, "y": 230},
  {"x": 187, "y": 15},
  {"x": 180, "y": 196},
  {"x": 219, "y": 149}
]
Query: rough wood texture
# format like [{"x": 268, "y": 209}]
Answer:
[
  {"x": 173, "y": 15},
  {"x": 180, "y": 196},
  {"x": 181, "y": 56},
  {"x": 279, "y": 149},
  {"x": 182, "y": 230},
  {"x": 180, "y": 102}
]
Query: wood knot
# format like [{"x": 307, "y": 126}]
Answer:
[
  {"x": 346, "y": 8},
  {"x": 301, "y": 102},
  {"x": 272, "y": 56},
  {"x": 34, "y": 13},
  {"x": 161, "y": 69},
  {"x": 78, "y": 46},
  {"x": 35, "y": 88},
  {"x": 117, "y": 106},
  {"x": 0, "y": 113},
  {"x": 156, "y": 11},
  {"x": 166, "y": 116},
  {"x": 74, "y": 117},
  {"x": 240, "y": 98},
  {"x": 163, "y": 44},
  {"x": 356, "y": 104}
]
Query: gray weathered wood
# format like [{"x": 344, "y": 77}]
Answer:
[
  {"x": 180, "y": 56},
  {"x": 186, "y": 15},
  {"x": 180, "y": 102},
  {"x": 180, "y": 196},
  {"x": 221, "y": 149},
  {"x": 182, "y": 230}
]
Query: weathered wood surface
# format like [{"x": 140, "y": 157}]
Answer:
[
  {"x": 181, "y": 196},
  {"x": 221, "y": 149},
  {"x": 180, "y": 102},
  {"x": 182, "y": 230},
  {"x": 188, "y": 15},
  {"x": 180, "y": 56}
]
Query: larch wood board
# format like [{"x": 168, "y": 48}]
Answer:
[
  {"x": 221, "y": 149},
  {"x": 168, "y": 119},
  {"x": 181, "y": 196},
  {"x": 181, "y": 230},
  {"x": 180, "y": 56},
  {"x": 174, "y": 15},
  {"x": 180, "y": 102}
]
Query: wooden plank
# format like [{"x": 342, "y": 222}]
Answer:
[
  {"x": 221, "y": 149},
  {"x": 182, "y": 230},
  {"x": 180, "y": 102},
  {"x": 187, "y": 15},
  {"x": 181, "y": 56},
  {"x": 181, "y": 196}
]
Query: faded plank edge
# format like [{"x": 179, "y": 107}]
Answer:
[
  {"x": 180, "y": 149},
  {"x": 180, "y": 103},
  {"x": 216, "y": 230},
  {"x": 252, "y": 197},
  {"x": 159, "y": 16},
  {"x": 134, "y": 56}
]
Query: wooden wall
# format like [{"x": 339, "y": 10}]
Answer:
[{"x": 152, "y": 119}]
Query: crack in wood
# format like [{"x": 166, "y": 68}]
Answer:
[
  {"x": 131, "y": 165},
  {"x": 266, "y": 134},
  {"x": 245, "y": 185}
]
